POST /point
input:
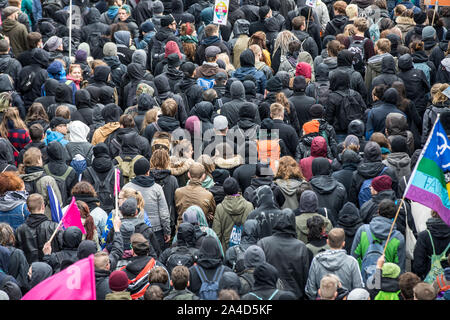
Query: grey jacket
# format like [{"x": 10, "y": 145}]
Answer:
[
  {"x": 155, "y": 206},
  {"x": 336, "y": 262}
]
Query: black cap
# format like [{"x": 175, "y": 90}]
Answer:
[
  {"x": 167, "y": 20},
  {"x": 56, "y": 121}
]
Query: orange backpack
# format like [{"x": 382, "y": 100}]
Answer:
[
  {"x": 139, "y": 285},
  {"x": 269, "y": 152}
]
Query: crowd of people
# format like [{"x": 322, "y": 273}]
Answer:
[{"x": 261, "y": 159}]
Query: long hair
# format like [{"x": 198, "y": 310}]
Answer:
[
  {"x": 85, "y": 214},
  {"x": 282, "y": 41},
  {"x": 403, "y": 102},
  {"x": 160, "y": 160},
  {"x": 439, "y": 97},
  {"x": 11, "y": 117},
  {"x": 150, "y": 117},
  {"x": 288, "y": 168},
  {"x": 283, "y": 100},
  {"x": 36, "y": 112}
]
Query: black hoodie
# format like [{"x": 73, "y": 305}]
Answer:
[
  {"x": 388, "y": 73},
  {"x": 350, "y": 221},
  {"x": 350, "y": 161},
  {"x": 287, "y": 254},
  {"x": 71, "y": 240},
  {"x": 50, "y": 86},
  {"x": 84, "y": 107},
  {"x": 204, "y": 111},
  {"x": 40, "y": 61}
]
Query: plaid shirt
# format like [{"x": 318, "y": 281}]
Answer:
[{"x": 19, "y": 138}]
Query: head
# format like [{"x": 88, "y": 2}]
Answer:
[
  {"x": 383, "y": 45},
  {"x": 34, "y": 40},
  {"x": 336, "y": 238},
  {"x": 207, "y": 163},
  {"x": 124, "y": 12},
  {"x": 101, "y": 261},
  {"x": 127, "y": 193},
  {"x": 169, "y": 107},
  {"x": 139, "y": 245},
  {"x": 10, "y": 181},
  {"x": 158, "y": 275},
  {"x": 197, "y": 172},
  {"x": 277, "y": 111},
  {"x": 339, "y": 7},
  {"x": 7, "y": 238},
  {"x": 406, "y": 282},
  {"x": 333, "y": 48},
  {"x": 32, "y": 158},
  {"x": 328, "y": 288},
  {"x": 83, "y": 188},
  {"x": 288, "y": 168},
  {"x": 179, "y": 278},
  {"x": 387, "y": 208},
  {"x": 76, "y": 72},
  {"x": 11, "y": 117},
  {"x": 424, "y": 291},
  {"x": 154, "y": 292},
  {"x": 351, "y": 11},
  {"x": 211, "y": 30},
  {"x": 35, "y": 204}
]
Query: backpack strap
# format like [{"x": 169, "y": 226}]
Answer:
[
  {"x": 218, "y": 274},
  {"x": 273, "y": 294},
  {"x": 157, "y": 127},
  {"x": 201, "y": 273},
  {"x": 432, "y": 244},
  {"x": 94, "y": 176},
  {"x": 441, "y": 283},
  {"x": 119, "y": 160},
  {"x": 144, "y": 271},
  {"x": 258, "y": 297}
]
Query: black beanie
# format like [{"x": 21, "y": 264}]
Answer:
[
  {"x": 398, "y": 144},
  {"x": 141, "y": 167},
  {"x": 316, "y": 111},
  {"x": 230, "y": 186},
  {"x": 274, "y": 84}
]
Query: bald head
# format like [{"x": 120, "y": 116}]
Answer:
[
  {"x": 336, "y": 238},
  {"x": 196, "y": 171}
]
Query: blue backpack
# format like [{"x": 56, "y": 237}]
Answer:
[
  {"x": 374, "y": 251},
  {"x": 425, "y": 68},
  {"x": 206, "y": 83},
  {"x": 209, "y": 288},
  {"x": 364, "y": 194},
  {"x": 270, "y": 298}
]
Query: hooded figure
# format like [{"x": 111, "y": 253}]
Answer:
[
  {"x": 209, "y": 260},
  {"x": 111, "y": 114},
  {"x": 247, "y": 60},
  {"x": 318, "y": 149},
  {"x": 71, "y": 240},
  {"x": 350, "y": 161},
  {"x": 40, "y": 272},
  {"x": 163, "y": 89},
  {"x": 122, "y": 39},
  {"x": 231, "y": 109},
  {"x": 78, "y": 143},
  {"x": 370, "y": 167},
  {"x": 416, "y": 84},
  {"x": 204, "y": 111},
  {"x": 287, "y": 254},
  {"x": 83, "y": 103},
  {"x": 49, "y": 92},
  {"x": 239, "y": 43},
  {"x": 349, "y": 220},
  {"x": 388, "y": 73},
  {"x": 7, "y": 156},
  {"x": 330, "y": 193}
]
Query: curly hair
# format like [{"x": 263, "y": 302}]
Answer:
[
  {"x": 160, "y": 159},
  {"x": 288, "y": 168},
  {"x": 10, "y": 181}
]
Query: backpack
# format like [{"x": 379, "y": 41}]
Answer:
[
  {"x": 364, "y": 194},
  {"x": 374, "y": 251},
  {"x": 209, "y": 288},
  {"x": 49, "y": 7},
  {"x": 206, "y": 84},
  {"x": 179, "y": 257},
  {"x": 157, "y": 52},
  {"x": 126, "y": 166},
  {"x": 26, "y": 84},
  {"x": 138, "y": 285},
  {"x": 321, "y": 92},
  {"x": 265, "y": 224},
  {"x": 440, "y": 280},
  {"x": 425, "y": 68},
  {"x": 357, "y": 48},
  {"x": 103, "y": 188},
  {"x": 236, "y": 234},
  {"x": 374, "y": 31},
  {"x": 95, "y": 43},
  {"x": 336, "y": 29},
  {"x": 269, "y": 152},
  {"x": 350, "y": 109},
  {"x": 237, "y": 265},
  {"x": 79, "y": 164},
  {"x": 61, "y": 182},
  {"x": 436, "y": 269},
  {"x": 270, "y": 298}
]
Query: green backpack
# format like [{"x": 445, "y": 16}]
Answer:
[
  {"x": 126, "y": 167},
  {"x": 436, "y": 266}
]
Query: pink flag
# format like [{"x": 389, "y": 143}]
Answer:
[
  {"x": 76, "y": 282},
  {"x": 72, "y": 217},
  {"x": 117, "y": 181}
]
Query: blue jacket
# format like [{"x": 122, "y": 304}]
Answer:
[
  {"x": 260, "y": 77},
  {"x": 13, "y": 208},
  {"x": 376, "y": 119}
]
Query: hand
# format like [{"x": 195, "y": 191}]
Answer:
[
  {"x": 167, "y": 237},
  {"x": 380, "y": 262},
  {"x": 117, "y": 223},
  {"x": 47, "y": 248},
  {"x": 210, "y": 217}
]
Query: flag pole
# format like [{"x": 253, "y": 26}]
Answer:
[
  {"x": 307, "y": 22},
  {"x": 409, "y": 183},
  {"x": 116, "y": 184},
  {"x": 434, "y": 13},
  {"x": 70, "y": 30}
]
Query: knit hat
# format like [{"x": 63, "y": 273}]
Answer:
[
  {"x": 311, "y": 127},
  {"x": 110, "y": 49},
  {"x": 398, "y": 144},
  {"x": 118, "y": 280},
  {"x": 274, "y": 84},
  {"x": 158, "y": 7},
  {"x": 84, "y": 46},
  {"x": 141, "y": 166},
  {"x": 86, "y": 248},
  {"x": 9, "y": 11},
  {"x": 382, "y": 183},
  {"x": 172, "y": 47},
  {"x": 192, "y": 124},
  {"x": 316, "y": 110},
  {"x": 212, "y": 51},
  {"x": 390, "y": 270},
  {"x": 351, "y": 139},
  {"x": 254, "y": 256},
  {"x": 308, "y": 202},
  {"x": 81, "y": 55},
  {"x": 53, "y": 43},
  {"x": 263, "y": 11},
  {"x": 129, "y": 207},
  {"x": 358, "y": 294},
  {"x": 56, "y": 121},
  {"x": 303, "y": 69},
  {"x": 167, "y": 20},
  {"x": 420, "y": 17},
  {"x": 55, "y": 67},
  {"x": 220, "y": 123},
  {"x": 147, "y": 26},
  {"x": 230, "y": 186},
  {"x": 428, "y": 33}
]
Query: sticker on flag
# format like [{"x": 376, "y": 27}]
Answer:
[{"x": 311, "y": 3}]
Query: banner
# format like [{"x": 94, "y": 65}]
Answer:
[
  {"x": 72, "y": 217},
  {"x": 76, "y": 282},
  {"x": 221, "y": 8},
  {"x": 311, "y": 3}
]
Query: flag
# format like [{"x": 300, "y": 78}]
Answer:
[
  {"x": 76, "y": 282},
  {"x": 72, "y": 217},
  {"x": 55, "y": 206},
  {"x": 430, "y": 181},
  {"x": 117, "y": 181}
]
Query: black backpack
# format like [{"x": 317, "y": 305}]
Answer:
[
  {"x": 103, "y": 189},
  {"x": 180, "y": 256},
  {"x": 321, "y": 92},
  {"x": 357, "y": 48},
  {"x": 157, "y": 52},
  {"x": 350, "y": 109},
  {"x": 96, "y": 44},
  {"x": 26, "y": 83}
]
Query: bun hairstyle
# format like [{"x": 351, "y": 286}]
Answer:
[{"x": 416, "y": 45}]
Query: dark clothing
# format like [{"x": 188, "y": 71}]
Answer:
[
  {"x": 71, "y": 238},
  {"x": 256, "y": 182},
  {"x": 350, "y": 221},
  {"x": 302, "y": 103},
  {"x": 287, "y": 134}
]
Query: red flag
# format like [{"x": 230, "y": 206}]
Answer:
[
  {"x": 72, "y": 217},
  {"x": 76, "y": 282}
]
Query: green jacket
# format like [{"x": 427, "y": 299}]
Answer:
[
  {"x": 181, "y": 295},
  {"x": 17, "y": 34},
  {"x": 232, "y": 210},
  {"x": 119, "y": 295},
  {"x": 302, "y": 229},
  {"x": 380, "y": 227}
]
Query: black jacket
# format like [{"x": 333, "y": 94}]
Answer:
[
  {"x": 287, "y": 254},
  {"x": 349, "y": 220},
  {"x": 169, "y": 184},
  {"x": 11, "y": 67},
  {"x": 350, "y": 162},
  {"x": 165, "y": 123},
  {"x": 302, "y": 103},
  {"x": 287, "y": 134},
  {"x": 84, "y": 108},
  {"x": 440, "y": 232},
  {"x": 125, "y": 137},
  {"x": 39, "y": 68},
  {"x": 189, "y": 87},
  {"x": 256, "y": 182}
]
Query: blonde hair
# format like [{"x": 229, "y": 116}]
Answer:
[
  {"x": 351, "y": 11},
  {"x": 439, "y": 97},
  {"x": 208, "y": 163},
  {"x": 131, "y": 193},
  {"x": 150, "y": 117},
  {"x": 282, "y": 41},
  {"x": 328, "y": 287},
  {"x": 11, "y": 114},
  {"x": 226, "y": 59},
  {"x": 276, "y": 109}
]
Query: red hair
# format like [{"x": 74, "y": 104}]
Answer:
[{"x": 89, "y": 224}]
